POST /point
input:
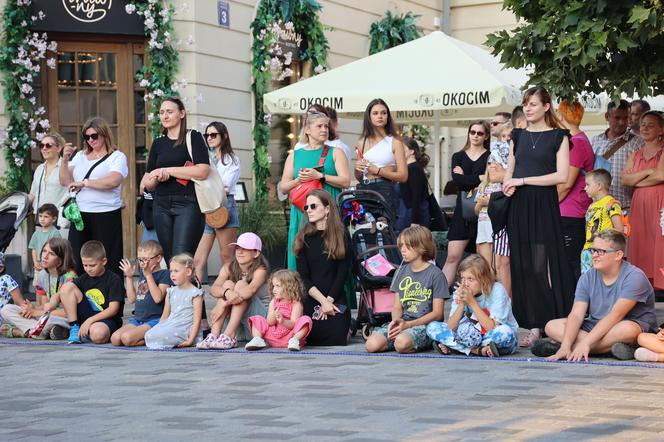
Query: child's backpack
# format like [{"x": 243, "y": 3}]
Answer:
[{"x": 627, "y": 228}]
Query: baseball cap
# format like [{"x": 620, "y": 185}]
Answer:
[{"x": 249, "y": 241}]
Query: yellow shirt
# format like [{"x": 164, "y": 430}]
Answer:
[{"x": 598, "y": 217}]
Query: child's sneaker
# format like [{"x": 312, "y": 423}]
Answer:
[
  {"x": 73, "y": 334},
  {"x": 255, "y": 344},
  {"x": 58, "y": 333},
  {"x": 224, "y": 342},
  {"x": 294, "y": 344},
  {"x": 205, "y": 343}
]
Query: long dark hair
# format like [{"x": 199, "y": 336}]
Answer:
[
  {"x": 63, "y": 250},
  {"x": 333, "y": 235},
  {"x": 420, "y": 156},
  {"x": 236, "y": 271},
  {"x": 182, "y": 136},
  {"x": 487, "y": 133},
  {"x": 368, "y": 129},
  {"x": 550, "y": 117},
  {"x": 225, "y": 148},
  {"x": 331, "y": 133}
]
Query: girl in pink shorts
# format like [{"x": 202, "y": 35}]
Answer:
[{"x": 285, "y": 325}]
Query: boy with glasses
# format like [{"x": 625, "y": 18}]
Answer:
[{"x": 613, "y": 304}]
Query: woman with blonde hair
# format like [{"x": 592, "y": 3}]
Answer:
[
  {"x": 302, "y": 166},
  {"x": 96, "y": 174},
  {"x": 46, "y": 187}
]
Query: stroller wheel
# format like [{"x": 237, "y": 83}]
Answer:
[
  {"x": 353, "y": 327},
  {"x": 366, "y": 331}
]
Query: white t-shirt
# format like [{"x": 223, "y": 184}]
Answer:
[
  {"x": 229, "y": 172},
  {"x": 94, "y": 200}
]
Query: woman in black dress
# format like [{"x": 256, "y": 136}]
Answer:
[
  {"x": 413, "y": 205},
  {"x": 542, "y": 282},
  {"x": 468, "y": 167},
  {"x": 322, "y": 247}
]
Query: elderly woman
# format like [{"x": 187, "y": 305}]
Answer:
[
  {"x": 46, "y": 187},
  {"x": 96, "y": 173},
  {"x": 301, "y": 167}
]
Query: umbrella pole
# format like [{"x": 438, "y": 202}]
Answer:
[{"x": 436, "y": 154}]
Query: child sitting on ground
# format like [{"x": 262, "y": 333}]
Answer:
[
  {"x": 93, "y": 301},
  {"x": 57, "y": 263},
  {"x": 180, "y": 324},
  {"x": 421, "y": 290},
  {"x": 604, "y": 212},
  {"x": 9, "y": 292},
  {"x": 285, "y": 325},
  {"x": 148, "y": 295},
  {"x": 242, "y": 291},
  {"x": 651, "y": 346},
  {"x": 47, "y": 215},
  {"x": 481, "y": 320}
]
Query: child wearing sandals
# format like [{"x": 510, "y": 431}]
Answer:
[
  {"x": 651, "y": 346},
  {"x": 421, "y": 290},
  {"x": 242, "y": 292},
  {"x": 180, "y": 323},
  {"x": 285, "y": 325},
  {"x": 481, "y": 320},
  {"x": 57, "y": 268},
  {"x": 148, "y": 295}
]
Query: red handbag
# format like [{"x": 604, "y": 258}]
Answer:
[{"x": 298, "y": 195}]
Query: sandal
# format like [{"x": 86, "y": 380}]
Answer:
[
  {"x": 441, "y": 348},
  {"x": 530, "y": 338},
  {"x": 8, "y": 331},
  {"x": 490, "y": 350}
]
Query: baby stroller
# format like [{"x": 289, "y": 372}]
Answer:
[
  {"x": 13, "y": 210},
  {"x": 375, "y": 255}
]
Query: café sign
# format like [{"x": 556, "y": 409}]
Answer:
[{"x": 88, "y": 11}]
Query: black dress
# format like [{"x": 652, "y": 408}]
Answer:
[
  {"x": 329, "y": 276},
  {"x": 413, "y": 205},
  {"x": 460, "y": 229},
  {"x": 535, "y": 237}
]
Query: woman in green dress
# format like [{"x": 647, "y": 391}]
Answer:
[{"x": 301, "y": 164}]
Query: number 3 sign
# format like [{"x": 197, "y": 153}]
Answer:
[{"x": 224, "y": 14}]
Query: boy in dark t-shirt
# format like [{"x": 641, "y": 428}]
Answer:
[{"x": 94, "y": 301}]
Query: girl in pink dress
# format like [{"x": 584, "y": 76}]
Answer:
[
  {"x": 285, "y": 325},
  {"x": 645, "y": 172}
]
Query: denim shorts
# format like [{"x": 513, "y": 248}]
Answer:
[
  {"x": 233, "y": 216},
  {"x": 137, "y": 323},
  {"x": 418, "y": 334}
]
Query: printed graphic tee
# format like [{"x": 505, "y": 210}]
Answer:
[
  {"x": 102, "y": 290},
  {"x": 417, "y": 290}
]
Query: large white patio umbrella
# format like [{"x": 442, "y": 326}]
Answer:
[{"x": 434, "y": 79}]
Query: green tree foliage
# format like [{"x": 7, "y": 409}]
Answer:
[{"x": 582, "y": 46}]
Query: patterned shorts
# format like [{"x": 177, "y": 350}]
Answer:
[
  {"x": 418, "y": 334},
  {"x": 501, "y": 245}
]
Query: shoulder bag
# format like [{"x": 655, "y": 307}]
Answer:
[
  {"x": 69, "y": 208},
  {"x": 298, "y": 195},
  {"x": 437, "y": 222},
  {"x": 210, "y": 194},
  {"x": 468, "y": 206}
]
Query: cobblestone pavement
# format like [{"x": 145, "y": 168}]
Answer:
[{"x": 52, "y": 391}]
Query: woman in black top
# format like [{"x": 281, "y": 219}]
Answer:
[
  {"x": 542, "y": 281},
  {"x": 468, "y": 167},
  {"x": 413, "y": 205},
  {"x": 177, "y": 218},
  {"x": 322, "y": 247}
]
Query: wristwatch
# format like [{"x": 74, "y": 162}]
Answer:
[{"x": 322, "y": 179}]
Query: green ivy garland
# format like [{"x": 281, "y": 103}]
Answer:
[
  {"x": 388, "y": 32},
  {"x": 302, "y": 16}
]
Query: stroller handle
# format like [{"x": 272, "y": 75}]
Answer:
[
  {"x": 375, "y": 249},
  {"x": 360, "y": 192}
]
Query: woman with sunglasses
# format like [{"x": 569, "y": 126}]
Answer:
[
  {"x": 228, "y": 165},
  {"x": 468, "y": 168},
  {"x": 169, "y": 173},
  {"x": 46, "y": 187},
  {"x": 302, "y": 166},
  {"x": 99, "y": 192},
  {"x": 323, "y": 251}
]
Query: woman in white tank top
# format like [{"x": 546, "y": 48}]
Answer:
[{"x": 381, "y": 159}]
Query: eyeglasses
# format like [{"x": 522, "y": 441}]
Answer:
[
  {"x": 211, "y": 135},
  {"x": 497, "y": 123},
  {"x": 146, "y": 260},
  {"x": 91, "y": 137},
  {"x": 317, "y": 313},
  {"x": 479, "y": 133},
  {"x": 601, "y": 252},
  {"x": 46, "y": 145},
  {"x": 310, "y": 206}
]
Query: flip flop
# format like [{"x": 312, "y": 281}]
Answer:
[
  {"x": 441, "y": 348},
  {"x": 9, "y": 331}
]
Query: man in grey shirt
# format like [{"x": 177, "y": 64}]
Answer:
[{"x": 613, "y": 304}]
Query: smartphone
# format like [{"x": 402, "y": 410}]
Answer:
[
  {"x": 342, "y": 308},
  {"x": 318, "y": 168}
]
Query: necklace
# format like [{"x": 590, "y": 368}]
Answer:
[{"x": 538, "y": 138}]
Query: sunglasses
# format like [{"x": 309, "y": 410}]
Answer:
[
  {"x": 91, "y": 137},
  {"x": 479, "y": 133},
  {"x": 600, "y": 252},
  {"x": 211, "y": 135},
  {"x": 310, "y": 206},
  {"x": 46, "y": 145},
  {"x": 497, "y": 123}
]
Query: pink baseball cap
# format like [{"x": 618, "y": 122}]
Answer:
[{"x": 249, "y": 241}]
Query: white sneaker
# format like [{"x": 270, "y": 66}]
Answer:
[
  {"x": 294, "y": 344},
  {"x": 255, "y": 344}
]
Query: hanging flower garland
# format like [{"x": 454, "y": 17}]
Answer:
[
  {"x": 21, "y": 56},
  {"x": 268, "y": 63}
]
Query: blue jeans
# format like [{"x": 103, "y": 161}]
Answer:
[{"x": 179, "y": 224}]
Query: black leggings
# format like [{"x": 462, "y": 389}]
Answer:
[
  {"x": 179, "y": 224},
  {"x": 105, "y": 227}
]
